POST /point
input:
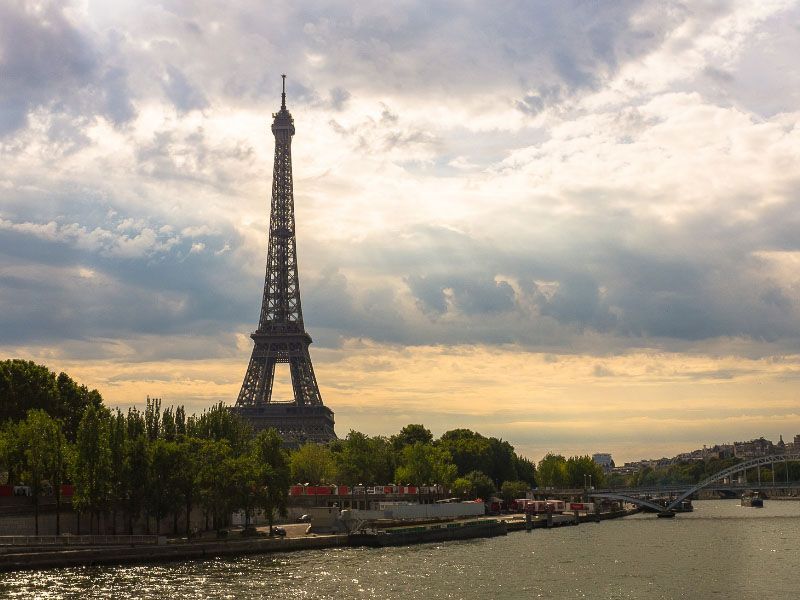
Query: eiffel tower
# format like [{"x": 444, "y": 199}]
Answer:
[{"x": 281, "y": 336}]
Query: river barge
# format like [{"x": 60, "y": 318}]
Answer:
[
  {"x": 401, "y": 536},
  {"x": 752, "y": 499}
]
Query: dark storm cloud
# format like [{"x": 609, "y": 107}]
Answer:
[
  {"x": 639, "y": 280},
  {"x": 121, "y": 277}
]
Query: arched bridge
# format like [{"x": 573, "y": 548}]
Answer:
[{"x": 683, "y": 495}]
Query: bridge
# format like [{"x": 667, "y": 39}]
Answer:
[{"x": 682, "y": 493}]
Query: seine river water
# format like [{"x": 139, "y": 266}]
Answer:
[{"x": 722, "y": 550}]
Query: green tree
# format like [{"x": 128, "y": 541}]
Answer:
[
  {"x": 117, "y": 439},
  {"x": 462, "y": 487},
  {"x": 410, "y": 435},
  {"x": 92, "y": 470},
  {"x": 73, "y": 400},
  {"x": 579, "y": 469},
  {"x": 214, "y": 479},
  {"x": 219, "y": 423},
  {"x": 511, "y": 490},
  {"x": 163, "y": 493},
  {"x": 136, "y": 468},
  {"x": 152, "y": 418},
  {"x": 363, "y": 459},
  {"x": 313, "y": 463},
  {"x": 526, "y": 470},
  {"x": 187, "y": 476},
  {"x": 25, "y": 386},
  {"x": 423, "y": 464},
  {"x": 480, "y": 485},
  {"x": 552, "y": 471},
  {"x": 272, "y": 474},
  {"x": 245, "y": 492},
  {"x": 12, "y": 451},
  {"x": 43, "y": 443},
  {"x": 470, "y": 450}
]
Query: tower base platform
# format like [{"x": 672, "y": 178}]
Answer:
[{"x": 296, "y": 424}]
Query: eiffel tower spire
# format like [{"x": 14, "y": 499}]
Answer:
[{"x": 281, "y": 336}]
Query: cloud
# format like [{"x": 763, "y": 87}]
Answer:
[
  {"x": 569, "y": 179},
  {"x": 47, "y": 62}
]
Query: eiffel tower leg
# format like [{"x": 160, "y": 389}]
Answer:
[
  {"x": 304, "y": 382},
  {"x": 257, "y": 386},
  {"x": 267, "y": 378}
]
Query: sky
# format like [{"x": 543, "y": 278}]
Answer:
[{"x": 574, "y": 225}]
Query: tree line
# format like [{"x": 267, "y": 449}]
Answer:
[
  {"x": 158, "y": 463},
  {"x": 150, "y": 464}
]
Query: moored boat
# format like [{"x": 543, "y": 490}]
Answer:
[{"x": 752, "y": 499}]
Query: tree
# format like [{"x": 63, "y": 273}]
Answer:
[
  {"x": 579, "y": 469},
  {"x": 470, "y": 451},
  {"x": 462, "y": 487},
  {"x": 135, "y": 477},
  {"x": 73, "y": 400},
  {"x": 187, "y": 476},
  {"x": 117, "y": 439},
  {"x": 272, "y": 473},
  {"x": 480, "y": 485},
  {"x": 552, "y": 471},
  {"x": 24, "y": 386},
  {"x": 43, "y": 444},
  {"x": 526, "y": 470},
  {"x": 92, "y": 471},
  {"x": 12, "y": 452},
  {"x": 362, "y": 459},
  {"x": 512, "y": 490},
  {"x": 410, "y": 435},
  {"x": 214, "y": 479},
  {"x": 423, "y": 464},
  {"x": 152, "y": 418},
  {"x": 313, "y": 463},
  {"x": 163, "y": 494},
  {"x": 245, "y": 482},
  {"x": 219, "y": 423}
]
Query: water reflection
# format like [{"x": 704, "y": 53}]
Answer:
[{"x": 721, "y": 550}]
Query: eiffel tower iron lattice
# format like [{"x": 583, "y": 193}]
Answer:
[{"x": 281, "y": 336}]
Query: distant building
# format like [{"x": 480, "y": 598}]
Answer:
[
  {"x": 754, "y": 448},
  {"x": 604, "y": 460}
]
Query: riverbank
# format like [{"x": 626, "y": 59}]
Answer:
[{"x": 24, "y": 558}]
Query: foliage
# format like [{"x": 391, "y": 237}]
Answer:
[
  {"x": 582, "y": 470},
  {"x": 163, "y": 494},
  {"x": 25, "y": 386},
  {"x": 511, "y": 490},
  {"x": 472, "y": 451},
  {"x": 422, "y": 464},
  {"x": 44, "y": 447},
  {"x": 410, "y": 435},
  {"x": 272, "y": 473},
  {"x": 552, "y": 471},
  {"x": 313, "y": 463},
  {"x": 219, "y": 423},
  {"x": 480, "y": 486},
  {"x": 92, "y": 469},
  {"x": 214, "y": 478},
  {"x": 361, "y": 459}
]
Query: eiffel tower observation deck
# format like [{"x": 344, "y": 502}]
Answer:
[{"x": 281, "y": 336}]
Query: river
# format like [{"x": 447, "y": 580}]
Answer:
[{"x": 722, "y": 550}]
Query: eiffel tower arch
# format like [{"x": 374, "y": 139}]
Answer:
[{"x": 281, "y": 336}]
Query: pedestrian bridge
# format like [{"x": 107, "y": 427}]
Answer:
[{"x": 684, "y": 493}]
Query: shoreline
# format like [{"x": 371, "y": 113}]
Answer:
[{"x": 29, "y": 558}]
